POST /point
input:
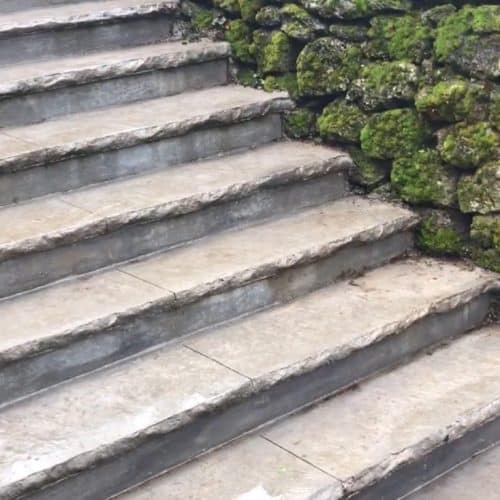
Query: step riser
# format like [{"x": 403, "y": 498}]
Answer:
[
  {"x": 40, "y": 106},
  {"x": 24, "y": 273},
  {"x": 99, "y": 167},
  {"x": 17, "y": 5},
  {"x": 62, "y": 360},
  {"x": 162, "y": 451},
  {"x": 52, "y": 43},
  {"x": 441, "y": 460}
]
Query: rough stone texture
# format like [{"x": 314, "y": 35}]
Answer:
[
  {"x": 128, "y": 125},
  {"x": 186, "y": 274},
  {"x": 120, "y": 408},
  {"x": 480, "y": 193}
]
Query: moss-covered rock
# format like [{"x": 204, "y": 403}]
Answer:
[
  {"x": 423, "y": 179},
  {"x": 273, "y": 52},
  {"x": 485, "y": 232},
  {"x": 465, "y": 25},
  {"x": 300, "y": 123},
  {"x": 453, "y": 101},
  {"x": 287, "y": 82},
  {"x": 268, "y": 17},
  {"x": 299, "y": 24},
  {"x": 239, "y": 35},
  {"x": 249, "y": 9},
  {"x": 433, "y": 16},
  {"x": 480, "y": 193},
  {"x": 439, "y": 234},
  {"x": 230, "y": 6},
  {"x": 366, "y": 171},
  {"x": 494, "y": 116},
  {"x": 405, "y": 37},
  {"x": 384, "y": 85},
  {"x": 354, "y": 9},
  {"x": 327, "y": 66},
  {"x": 342, "y": 122},
  {"x": 248, "y": 77},
  {"x": 468, "y": 145},
  {"x": 349, "y": 32},
  {"x": 393, "y": 134}
]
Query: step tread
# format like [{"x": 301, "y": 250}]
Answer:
[
  {"x": 66, "y": 218},
  {"x": 359, "y": 436},
  {"x": 478, "y": 478},
  {"x": 212, "y": 264},
  {"x": 125, "y": 125},
  {"x": 161, "y": 386},
  {"x": 45, "y": 75},
  {"x": 79, "y": 13}
]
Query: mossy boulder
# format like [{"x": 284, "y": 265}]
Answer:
[
  {"x": 485, "y": 233},
  {"x": 341, "y": 121},
  {"x": 300, "y": 123},
  {"x": 433, "y": 16},
  {"x": 327, "y": 66},
  {"x": 349, "y": 32},
  {"x": 460, "y": 40},
  {"x": 287, "y": 82},
  {"x": 249, "y": 9},
  {"x": 239, "y": 35},
  {"x": 299, "y": 24},
  {"x": 384, "y": 85},
  {"x": 440, "y": 234},
  {"x": 354, "y": 9},
  {"x": 268, "y": 17},
  {"x": 366, "y": 171},
  {"x": 404, "y": 37},
  {"x": 273, "y": 52},
  {"x": 480, "y": 192},
  {"x": 230, "y": 6},
  {"x": 468, "y": 145},
  {"x": 393, "y": 134},
  {"x": 453, "y": 101},
  {"x": 423, "y": 179}
]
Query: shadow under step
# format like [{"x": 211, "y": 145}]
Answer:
[
  {"x": 141, "y": 417},
  {"x": 79, "y": 325}
]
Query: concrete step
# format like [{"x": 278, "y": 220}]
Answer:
[
  {"x": 478, "y": 478},
  {"x": 55, "y": 237},
  {"x": 377, "y": 441},
  {"x": 34, "y": 92},
  {"x": 112, "y": 429},
  {"x": 55, "y": 31},
  {"x": 86, "y": 148},
  {"x": 17, "y": 5},
  {"x": 75, "y": 326}
]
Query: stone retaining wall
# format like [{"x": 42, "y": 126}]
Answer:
[{"x": 409, "y": 87}]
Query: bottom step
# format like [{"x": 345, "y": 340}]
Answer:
[{"x": 380, "y": 440}]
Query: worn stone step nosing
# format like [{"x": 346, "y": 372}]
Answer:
[
  {"x": 142, "y": 135},
  {"x": 203, "y": 290},
  {"x": 75, "y": 233},
  {"x": 254, "y": 388},
  {"x": 208, "y": 304},
  {"x": 88, "y": 19},
  {"x": 127, "y": 67}
]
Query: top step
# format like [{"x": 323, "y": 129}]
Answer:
[
  {"x": 83, "y": 27},
  {"x": 7, "y": 6}
]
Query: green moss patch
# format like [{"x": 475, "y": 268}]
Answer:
[
  {"x": 273, "y": 52},
  {"x": 439, "y": 235},
  {"x": 287, "y": 82},
  {"x": 342, "y": 122},
  {"x": 367, "y": 172},
  {"x": 393, "y": 134},
  {"x": 480, "y": 193},
  {"x": 239, "y": 35},
  {"x": 300, "y": 123}
]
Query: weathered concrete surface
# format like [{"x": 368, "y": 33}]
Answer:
[
  {"x": 362, "y": 435},
  {"x": 214, "y": 264},
  {"x": 115, "y": 412},
  {"x": 128, "y": 125},
  {"x": 77, "y": 70},
  {"x": 70, "y": 14},
  {"x": 478, "y": 479}
]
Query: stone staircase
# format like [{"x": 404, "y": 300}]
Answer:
[{"x": 175, "y": 274}]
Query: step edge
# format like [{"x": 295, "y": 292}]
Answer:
[
  {"x": 109, "y": 16},
  {"x": 467, "y": 422},
  {"x": 277, "y": 103},
  {"x": 339, "y": 162},
  {"x": 170, "y": 300},
  {"x": 122, "y": 68}
]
